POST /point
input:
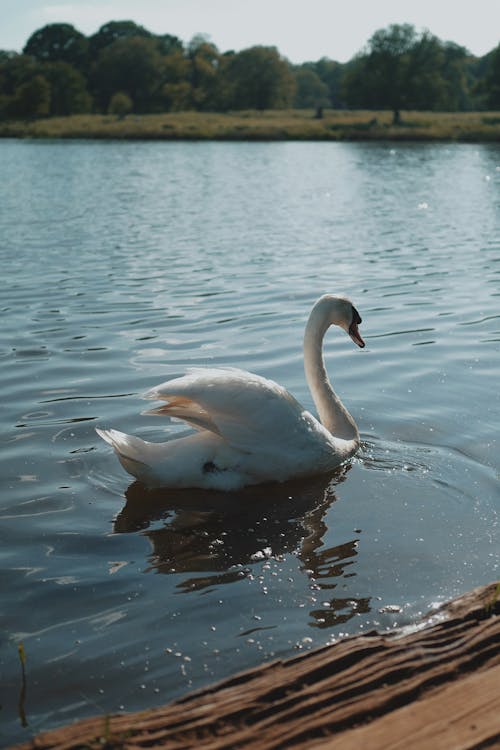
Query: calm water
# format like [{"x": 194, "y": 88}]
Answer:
[{"x": 124, "y": 263}]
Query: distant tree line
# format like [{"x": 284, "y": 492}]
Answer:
[{"x": 125, "y": 68}]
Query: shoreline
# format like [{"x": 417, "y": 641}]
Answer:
[
  {"x": 434, "y": 684},
  {"x": 272, "y": 125}
]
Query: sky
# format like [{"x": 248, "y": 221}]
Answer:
[{"x": 302, "y": 30}]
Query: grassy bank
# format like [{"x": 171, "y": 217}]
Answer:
[{"x": 271, "y": 125}]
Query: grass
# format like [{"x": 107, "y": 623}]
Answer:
[
  {"x": 336, "y": 125},
  {"x": 22, "y": 694}
]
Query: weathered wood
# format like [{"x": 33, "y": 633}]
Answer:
[
  {"x": 437, "y": 686},
  {"x": 464, "y": 714}
]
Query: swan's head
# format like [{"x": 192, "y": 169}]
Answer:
[{"x": 339, "y": 311}]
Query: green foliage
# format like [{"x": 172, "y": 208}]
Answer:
[
  {"x": 32, "y": 98},
  {"x": 69, "y": 95},
  {"x": 176, "y": 92},
  {"x": 120, "y": 105},
  {"x": 458, "y": 79},
  {"x": 112, "y": 31},
  {"x": 57, "y": 88},
  {"x": 379, "y": 77},
  {"x": 331, "y": 73},
  {"x": 168, "y": 44},
  {"x": 62, "y": 72},
  {"x": 492, "y": 79},
  {"x": 16, "y": 70},
  {"x": 403, "y": 69},
  {"x": 129, "y": 64},
  {"x": 177, "y": 97},
  {"x": 310, "y": 90},
  {"x": 202, "y": 71},
  {"x": 258, "y": 78},
  {"x": 58, "y": 42}
]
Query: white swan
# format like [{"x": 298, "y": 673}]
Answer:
[{"x": 249, "y": 429}]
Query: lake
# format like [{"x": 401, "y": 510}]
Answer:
[{"x": 125, "y": 263}]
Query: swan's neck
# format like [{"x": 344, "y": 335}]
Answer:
[{"x": 332, "y": 413}]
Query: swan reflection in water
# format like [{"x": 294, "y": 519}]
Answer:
[{"x": 219, "y": 536}]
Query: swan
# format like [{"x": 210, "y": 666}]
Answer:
[{"x": 249, "y": 429}]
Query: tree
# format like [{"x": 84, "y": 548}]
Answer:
[
  {"x": 377, "y": 78},
  {"x": 6, "y": 55},
  {"x": 168, "y": 44},
  {"x": 399, "y": 68},
  {"x": 132, "y": 65},
  {"x": 203, "y": 59},
  {"x": 120, "y": 105},
  {"x": 15, "y": 70},
  {"x": 259, "y": 78},
  {"x": 458, "y": 81},
  {"x": 69, "y": 95},
  {"x": 492, "y": 79},
  {"x": 331, "y": 73},
  {"x": 112, "y": 31},
  {"x": 177, "y": 91},
  {"x": 310, "y": 92},
  {"x": 58, "y": 42},
  {"x": 403, "y": 69},
  {"x": 423, "y": 74},
  {"x": 32, "y": 98},
  {"x": 67, "y": 87}
]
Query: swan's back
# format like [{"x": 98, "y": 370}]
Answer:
[{"x": 249, "y": 430}]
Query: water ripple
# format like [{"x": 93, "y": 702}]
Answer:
[{"x": 143, "y": 259}]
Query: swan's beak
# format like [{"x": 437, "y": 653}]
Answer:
[{"x": 355, "y": 335}]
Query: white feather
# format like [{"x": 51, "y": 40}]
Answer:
[{"x": 249, "y": 428}]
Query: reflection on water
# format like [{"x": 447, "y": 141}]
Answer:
[
  {"x": 228, "y": 533},
  {"x": 212, "y": 254}
]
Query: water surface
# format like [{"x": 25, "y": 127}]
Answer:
[{"x": 125, "y": 263}]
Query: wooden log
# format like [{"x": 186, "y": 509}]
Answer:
[{"x": 435, "y": 685}]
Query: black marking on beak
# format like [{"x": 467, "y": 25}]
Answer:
[
  {"x": 353, "y": 328},
  {"x": 356, "y": 317}
]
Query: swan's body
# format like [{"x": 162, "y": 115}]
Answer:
[{"x": 249, "y": 429}]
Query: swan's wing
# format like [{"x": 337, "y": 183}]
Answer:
[
  {"x": 246, "y": 410},
  {"x": 186, "y": 409}
]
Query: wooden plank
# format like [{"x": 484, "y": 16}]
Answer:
[
  {"x": 462, "y": 716},
  {"x": 334, "y": 692}
]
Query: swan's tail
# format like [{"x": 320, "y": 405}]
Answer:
[
  {"x": 175, "y": 463},
  {"x": 131, "y": 451}
]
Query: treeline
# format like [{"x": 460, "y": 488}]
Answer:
[{"x": 125, "y": 68}]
